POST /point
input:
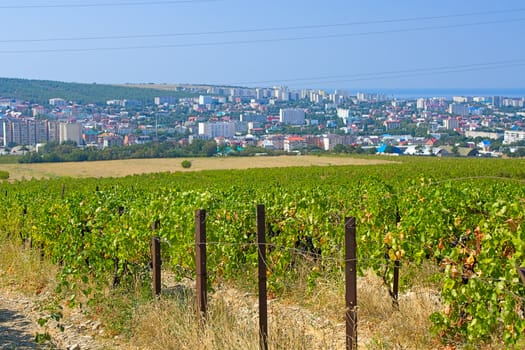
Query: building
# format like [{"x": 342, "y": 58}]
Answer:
[
  {"x": 205, "y": 100},
  {"x": 421, "y": 103},
  {"x": 512, "y": 136},
  {"x": 392, "y": 124},
  {"x": 25, "y": 131},
  {"x": 111, "y": 140},
  {"x": 216, "y": 129},
  {"x": 461, "y": 99},
  {"x": 331, "y": 140},
  {"x": 483, "y": 134},
  {"x": 451, "y": 123},
  {"x": 293, "y": 116},
  {"x": 170, "y": 100},
  {"x": 57, "y": 102},
  {"x": 343, "y": 113},
  {"x": 458, "y": 109},
  {"x": 262, "y": 93},
  {"x": 294, "y": 143},
  {"x": 496, "y": 101},
  {"x": 70, "y": 132},
  {"x": 38, "y": 110},
  {"x": 115, "y": 103},
  {"x": 253, "y": 117},
  {"x": 513, "y": 102},
  {"x": 281, "y": 93}
]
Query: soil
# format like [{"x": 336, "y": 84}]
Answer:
[{"x": 20, "y": 327}]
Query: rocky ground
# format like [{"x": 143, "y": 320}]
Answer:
[{"x": 22, "y": 326}]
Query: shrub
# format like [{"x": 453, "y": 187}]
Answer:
[
  {"x": 186, "y": 164},
  {"x": 4, "y": 175}
]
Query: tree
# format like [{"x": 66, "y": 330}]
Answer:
[
  {"x": 455, "y": 150},
  {"x": 340, "y": 148},
  {"x": 210, "y": 148}
]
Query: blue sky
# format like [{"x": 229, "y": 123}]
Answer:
[{"x": 473, "y": 44}]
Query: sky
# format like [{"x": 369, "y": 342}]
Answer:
[{"x": 344, "y": 44}]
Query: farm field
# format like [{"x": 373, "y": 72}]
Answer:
[
  {"x": 119, "y": 168},
  {"x": 454, "y": 225}
]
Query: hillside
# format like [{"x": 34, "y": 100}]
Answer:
[{"x": 40, "y": 91}]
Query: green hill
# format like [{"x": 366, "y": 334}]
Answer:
[{"x": 40, "y": 91}]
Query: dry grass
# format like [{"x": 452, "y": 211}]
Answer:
[
  {"x": 24, "y": 269},
  {"x": 120, "y": 168},
  {"x": 172, "y": 324},
  {"x": 304, "y": 318}
]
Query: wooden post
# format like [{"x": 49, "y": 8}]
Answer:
[
  {"x": 395, "y": 287},
  {"x": 155, "y": 264},
  {"x": 521, "y": 272},
  {"x": 155, "y": 261},
  {"x": 351, "y": 283},
  {"x": 263, "y": 304},
  {"x": 200, "y": 260},
  {"x": 397, "y": 264}
]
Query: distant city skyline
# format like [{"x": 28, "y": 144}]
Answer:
[{"x": 365, "y": 45}]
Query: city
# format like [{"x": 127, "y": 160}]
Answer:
[{"x": 277, "y": 119}]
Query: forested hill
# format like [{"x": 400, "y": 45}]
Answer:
[{"x": 40, "y": 91}]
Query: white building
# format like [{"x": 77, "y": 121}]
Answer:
[
  {"x": 331, "y": 140},
  {"x": 216, "y": 129},
  {"x": 281, "y": 93},
  {"x": 458, "y": 109},
  {"x": 205, "y": 100},
  {"x": 294, "y": 143},
  {"x": 513, "y": 136},
  {"x": 57, "y": 102},
  {"x": 460, "y": 99},
  {"x": 24, "y": 131},
  {"x": 343, "y": 113},
  {"x": 293, "y": 116},
  {"x": 484, "y": 134},
  {"x": 70, "y": 132},
  {"x": 451, "y": 123}
]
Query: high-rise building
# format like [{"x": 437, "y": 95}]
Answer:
[
  {"x": 252, "y": 117},
  {"x": 70, "y": 132},
  {"x": 24, "y": 131},
  {"x": 205, "y": 100},
  {"x": 165, "y": 100},
  {"x": 451, "y": 123},
  {"x": 293, "y": 116},
  {"x": 458, "y": 109},
  {"x": 496, "y": 101},
  {"x": 216, "y": 129}
]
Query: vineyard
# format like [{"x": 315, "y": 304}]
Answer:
[{"x": 463, "y": 216}]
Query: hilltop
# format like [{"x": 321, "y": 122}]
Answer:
[{"x": 40, "y": 91}]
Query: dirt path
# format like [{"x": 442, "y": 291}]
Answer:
[
  {"x": 19, "y": 325},
  {"x": 17, "y": 331}
]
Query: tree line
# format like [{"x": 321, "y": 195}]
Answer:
[
  {"x": 69, "y": 152},
  {"x": 40, "y": 91}
]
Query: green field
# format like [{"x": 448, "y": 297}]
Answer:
[{"x": 464, "y": 216}]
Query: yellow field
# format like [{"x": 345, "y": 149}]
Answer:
[{"x": 119, "y": 168}]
